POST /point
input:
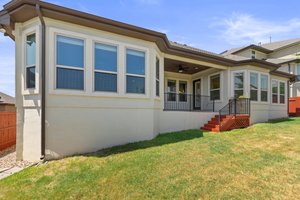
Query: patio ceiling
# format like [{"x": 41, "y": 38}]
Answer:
[{"x": 188, "y": 68}]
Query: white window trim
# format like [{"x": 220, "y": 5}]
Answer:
[
  {"x": 27, "y": 32},
  {"x": 186, "y": 90},
  {"x": 159, "y": 77},
  {"x": 177, "y": 86},
  {"x": 104, "y": 71},
  {"x": 268, "y": 89},
  {"x": 245, "y": 82},
  {"x": 221, "y": 86},
  {"x": 278, "y": 93},
  {"x": 253, "y": 54},
  {"x": 146, "y": 76},
  {"x": 277, "y": 81},
  {"x": 88, "y": 78},
  {"x": 258, "y": 86},
  {"x": 74, "y": 36}
]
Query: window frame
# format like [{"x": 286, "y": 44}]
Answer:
[
  {"x": 244, "y": 81},
  {"x": 268, "y": 88},
  {"x": 258, "y": 86},
  {"x": 220, "y": 89},
  {"x": 104, "y": 71},
  {"x": 277, "y": 94},
  {"x": 25, "y": 33},
  {"x": 176, "y": 89},
  {"x": 185, "y": 94},
  {"x": 157, "y": 80},
  {"x": 253, "y": 54},
  {"x": 30, "y": 66},
  {"x": 56, "y": 66},
  {"x": 135, "y": 75},
  {"x": 284, "y": 94}
]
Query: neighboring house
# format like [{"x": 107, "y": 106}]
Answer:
[
  {"x": 7, "y": 103},
  {"x": 285, "y": 53},
  {"x": 103, "y": 83}
]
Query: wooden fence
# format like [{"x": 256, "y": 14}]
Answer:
[
  {"x": 7, "y": 129},
  {"x": 294, "y": 106}
]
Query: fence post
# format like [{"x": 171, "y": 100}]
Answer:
[{"x": 235, "y": 106}]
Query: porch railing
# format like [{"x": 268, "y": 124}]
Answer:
[
  {"x": 188, "y": 102},
  {"x": 236, "y": 106}
]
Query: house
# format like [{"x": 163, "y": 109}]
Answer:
[
  {"x": 7, "y": 103},
  {"x": 285, "y": 53},
  {"x": 84, "y": 83}
]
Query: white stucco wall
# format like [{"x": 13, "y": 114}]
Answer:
[{"x": 86, "y": 121}]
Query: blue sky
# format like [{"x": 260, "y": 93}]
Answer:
[{"x": 214, "y": 25}]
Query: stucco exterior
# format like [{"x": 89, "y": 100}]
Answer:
[{"x": 86, "y": 121}]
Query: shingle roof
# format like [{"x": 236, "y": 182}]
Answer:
[
  {"x": 193, "y": 48},
  {"x": 280, "y": 44},
  {"x": 4, "y": 98}
]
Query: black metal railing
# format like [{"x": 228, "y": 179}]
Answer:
[
  {"x": 188, "y": 102},
  {"x": 236, "y": 106}
]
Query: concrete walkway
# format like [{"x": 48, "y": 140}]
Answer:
[{"x": 7, "y": 172}]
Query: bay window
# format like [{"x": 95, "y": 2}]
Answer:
[
  {"x": 105, "y": 68},
  {"x": 274, "y": 91},
  {"x": 69, "y": 63},
  {"x": 238, "y": 84},
  {"x": 157, "y": 77},
  {"x": 253, "y": 86},
  {"x": 264, "y": 88},
  {"x": 135, "y": 71},
  {"x": 282, "y": 93},
  {"x": 215, "y": 81},
  {"x": 182, "y": 91},
  {"x": 30, "y": 61}
]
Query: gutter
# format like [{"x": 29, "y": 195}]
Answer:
[{"x": 43, "y": 82}]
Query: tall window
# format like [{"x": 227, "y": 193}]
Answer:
[
  {"x": 264, "y": 88},
  {"x": 238, "y": 84},
  {"x": 105, "y": 59},
  {"x": 182, "y": 91},
  {"x": 282, "y": 92},
  {"x": 171, "y": 90},
  {"x": 135, "y": 71},
  {"x": 274, "y": 91},
  {"x": 30, "y": 61},
  {"x": 215, "y": 87},
  {"x": 298, "y": 69},
  {"x": 253, "y": 54},
  {"x": 69, "y": 63},
  {"x": 253, "y": 86},
  {"x": 157, "y": 77}
]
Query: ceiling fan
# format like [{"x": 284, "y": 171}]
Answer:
[{"x": 181, "y": 68}]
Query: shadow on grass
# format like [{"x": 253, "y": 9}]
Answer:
[
  {"x": 275, "y": 121},
  {"x": 160, "y": 140}
]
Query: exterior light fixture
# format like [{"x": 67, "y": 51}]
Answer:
[
  {"x": 2, "y": 30},
  {"x": 180, "y": 69}
]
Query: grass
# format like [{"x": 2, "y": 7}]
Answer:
[{"x": 260, "y": 162}]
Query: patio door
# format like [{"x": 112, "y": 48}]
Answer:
[{"x": 197, "y": 94}]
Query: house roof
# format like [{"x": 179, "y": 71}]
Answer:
[
  {"x": 265, "y": 48},
  {"x": 24, "y": 10},
  {"x": 251, "y": 46},
  {"x": 6, "y": 99},
  {"x": 275, "y": 46}
]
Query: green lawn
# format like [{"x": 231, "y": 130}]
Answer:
[{"x": 260, "y": 162}]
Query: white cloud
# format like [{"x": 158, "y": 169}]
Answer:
[{"x": 241, "y": 29}]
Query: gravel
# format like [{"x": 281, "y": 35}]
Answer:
[{"x": 8, "y": 159}]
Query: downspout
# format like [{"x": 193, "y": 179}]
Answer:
[{"x": 43, "y": 82}]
